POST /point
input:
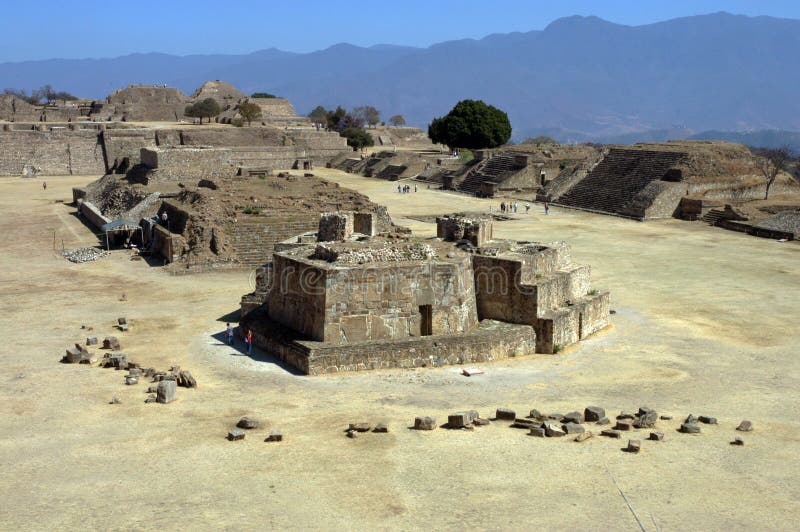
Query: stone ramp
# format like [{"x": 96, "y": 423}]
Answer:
[{"x": 616, "y": 180}]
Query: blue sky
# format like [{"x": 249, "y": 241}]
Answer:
[{"x": 107, "y": 28}]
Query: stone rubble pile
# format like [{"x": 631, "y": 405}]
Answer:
[
  {"x": 81, "y": 255},
  {"x": 385, "y": 253}
]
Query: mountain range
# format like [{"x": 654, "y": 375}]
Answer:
[{"x": 580, "y": 78}]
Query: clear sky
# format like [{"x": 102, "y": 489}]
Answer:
[{"x": 42, "y": 29}]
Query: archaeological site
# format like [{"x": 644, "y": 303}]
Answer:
[{"x": 227, "y": 308}]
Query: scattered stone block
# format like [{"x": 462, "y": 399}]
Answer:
[
  {"x": 690, "y": 419},
  {"x": 186, "y": 380},
  {"x": 424, "y": 423},
  {"x": 151, "y": 399},
  {"x": 593, "y": 413},
  {"x": 555, "y": 417},
  {"x": 115, "y": 360},
  {"x": 459, "y": 420},
  {"x": 626, "y": 415},
  {"x": 657, "y": 436},
  {"x": 737, "y": 441},
  {"x": 352, "y": 434},
  {"x": 166, "y": 391},
  {"x": 745, "y": 426},
  {"x": 708, "y": 420},
  {"x": 524, "y": 423},
  {"x": 646, "y": 419},
  {"x": 506, "y": 413},
  {"x": 552, "y": 430},
  {"x": 611, "y": 433},
  {"x": 123, "y": 327},
  {"x": 92, "y": 340},
  {"x": 152, "y": 389},
  {"x": 73, "y": 356},
  {"x": 473, "y": 415},
  {"x": 174, "y": 369},
  {"x": 634, "y": 446},
  {"x": 112, "y": 343},
  {"x": 235, "y": 435},
  {"x": 359, "y": 427},
  {"x": 380, "y": 428},
  {"x": 122, "y": 321},
  {"x": 603, "y": 421},
  {"x": 624, "y": 424},
  {"x": 665, "y": 417},
  {"x": 535, "y": 414},
  {"x": 149, "y": 372},
  {"x": 573, "y": 428},
  {"x": 690, "y": 428},
  {"x": 539, "y": 432},
  {"x": 479, "y": 421},
  {"x": 573, "y": 417},
  {"x": 583, "y": 436},
  {"x": 115, "y": 401},
  {"x": 277, "y": 435},
  {"x": 131, "y": 379},
  {"x": 248, "y": 423},
  {"x": 133, "y": 370}
]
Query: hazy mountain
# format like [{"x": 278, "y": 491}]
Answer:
[{"x": 582, "y": 75}]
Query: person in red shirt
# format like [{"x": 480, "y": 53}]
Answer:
[{"x": 249, "y": 340}]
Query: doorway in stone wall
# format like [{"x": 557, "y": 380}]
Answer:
[{"x": 426, "y": 321}]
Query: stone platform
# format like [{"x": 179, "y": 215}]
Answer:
[{"x": 490, "y": 341}]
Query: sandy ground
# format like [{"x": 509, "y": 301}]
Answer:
[{"x": 706, "y": 323}]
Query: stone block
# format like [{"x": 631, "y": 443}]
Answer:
[
  {"x": 583, "y": 436},
  {"x": 235, "y": 435},
  {"x": 535, "y": 414},
  {"x": 690, "y": 428},
  {"x": 657, "y": 436},
  {"x": 603, "y": 421},
  {"x": 593, "y": 413},
  {"x": 92, "y": 340},
  {"x": 624, "y": 424},
  {"x": 626, "y": 415},
  {"x": 573, "y": 417},
  {"x": 131, "y": 379},
  {"x": 73, "y": 355},
  {"x": 611, "y": 433},
  {"x": 166, "y": 391},
  {"x": 555, "y": 417},
  {"x": 359, "y": 427},
  {"x": 539, "y": 432},
  {"x": 122, "y": 321},
  {"x": 186, "y": 380},
  {"x": 248, "y": 423},
  {"x": 151, "y": 399},
  {"x": 276, "y": 435},
  {"x": 634, "y": 446},
  {"x": 479, "y": 421},
  {"x": 458, "y": 420},
  {"x": 123, "y": 327},
  {"x": 573, "y": 428},
  {"x": 708, "y": 420},
  {"x": 553, "y": 430},
  {"x": 112, "y": 343},
  {"x": 506, "y": 414},
  {"x": 737, "y": 441},
  {"x": 424, "y": 423},
  {"x": 745, "y": 426},
  {"x": 381, "y": 428},
  {"x": 645, "y": 419}
]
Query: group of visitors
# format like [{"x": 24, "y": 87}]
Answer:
[
  {"x": 248, "y": 339},
  {"x": 405, "y": 189},
  {"x": 509, "y": 208}
]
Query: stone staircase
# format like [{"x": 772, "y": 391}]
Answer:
[
  {"x": 495, "y": 169},
  {"x": 615, "y": 181},
  {"x": 713, "y": 216},
  {"x": 254, "y": 239}
]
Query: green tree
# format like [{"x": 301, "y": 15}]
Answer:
[
  {"x": 397, "y": 120},
  {"x": 367, "y": 115},
  {"x": 249, "y": 111},
  {"x": 357, "y": 138},
  {"x": 262, "y": 95},
  {"x": 319, "y": 115},
  {"x": 471, "y": 124},
  {"x": 207, "y": 108},
  {"x": 336, "y": 119}
]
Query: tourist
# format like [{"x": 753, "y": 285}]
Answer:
[
  {"x": 515, "y": 207},
  {"x": 527, "y": 208},
  {"x": 503, "y": 207},
  {"x": 546, "y": 208},
  {"x": 44, "y": 185},
  {"x": 398, "y": 190},
  {"x": 229, "y": 333},
  {"x": 415, "y": 187},
  {"x": 164, "y": 218},
  {"x": 249, "y": 341}
]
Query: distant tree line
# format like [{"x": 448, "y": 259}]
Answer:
[
  {"x": 348, "y": 124},
  {"x": 44, "y": 94}
]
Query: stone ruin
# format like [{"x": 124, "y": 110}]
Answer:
[{"x": 340, "y": 302}]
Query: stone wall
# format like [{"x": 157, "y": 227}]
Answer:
[
  {"x": 335, "y": 227},
  {"x": 92, "y": 214},
  {"x": 297, "y": 298},
  {"x": 456, "y": 228},
  {"x": 52, "y": 152},
  {"x": 184, "y": 162}
]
